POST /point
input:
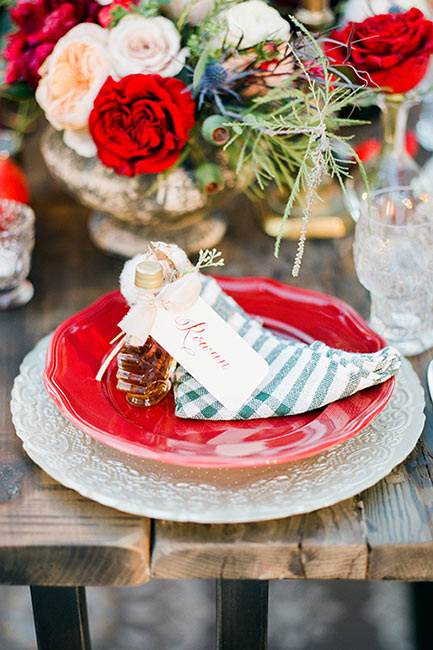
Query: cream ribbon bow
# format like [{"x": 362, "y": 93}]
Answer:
[{"x": 176, "y": 296}]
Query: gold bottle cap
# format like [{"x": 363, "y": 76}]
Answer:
[{"x": 148, "y": 275}]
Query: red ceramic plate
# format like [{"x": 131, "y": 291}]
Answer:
[{"x": 99, "y": 409}]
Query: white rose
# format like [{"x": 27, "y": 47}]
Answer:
[
  {"x": 72, "y": 76},
  {"x": 104, "y": 2},
  {"x": 198, "y": 9},
  {"x": 253, "y": 22},
  {"x": 147, "y": 46}
]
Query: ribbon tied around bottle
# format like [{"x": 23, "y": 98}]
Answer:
[
  {"x": 138, "y": 322},
  {"x": 176, "y": 296}
]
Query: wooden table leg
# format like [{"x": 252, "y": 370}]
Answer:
[
  {"x": 242, "y": 614},
  {"x": 60, "y": 615},
  {"x": 423, "y": 608}
]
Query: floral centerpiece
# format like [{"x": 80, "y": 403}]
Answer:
[{"x": 148, "y": 87}]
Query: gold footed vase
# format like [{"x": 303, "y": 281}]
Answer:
[{"x": 128, "y": 213}]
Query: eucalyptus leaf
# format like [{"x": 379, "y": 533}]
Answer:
[{"x": 200, "y": 68}]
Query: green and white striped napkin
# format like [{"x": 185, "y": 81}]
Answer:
[{"x": 301, "y": 377}]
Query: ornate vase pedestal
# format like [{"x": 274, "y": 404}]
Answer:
[
  {"x": 126, "y": 240},
  {"x": 131, "y": 212}
]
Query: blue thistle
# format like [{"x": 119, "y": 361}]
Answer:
[
  {"x": 214, "y": 78},
  {"x": 217, "y": 81}
]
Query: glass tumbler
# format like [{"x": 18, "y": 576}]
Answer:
[
  {"x": 393, "y": 252},
  {"x": 16, "y": 245}
]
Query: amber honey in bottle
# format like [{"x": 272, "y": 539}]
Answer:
[{"x": 145, "y": 371}]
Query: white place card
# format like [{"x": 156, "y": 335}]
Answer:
[{"x": 212, "y": 352}]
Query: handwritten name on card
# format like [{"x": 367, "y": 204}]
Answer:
[{"x": 212, "y": 352}]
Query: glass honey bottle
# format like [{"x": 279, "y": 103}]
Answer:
[{"x": 145, "y": 371}]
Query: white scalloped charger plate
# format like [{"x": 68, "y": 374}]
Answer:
[{"x": 213, "y": 495}]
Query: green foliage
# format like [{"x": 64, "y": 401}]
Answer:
[
  {"x": 206, "y": 37},
  {"x": 150, "y": 7},
  {"x": 146, "y": 8},
  {"x": 18, "y": 91},
  {"x": 200, "y": 67},
  {"x": 289, "y": 137},
  {"x": 208, "y": 258},
  {"x": 5, "y": 27},
  {"x": 116, "y": 14},
  {"x": 264, "y": 52},
  {"x": 195, "y": 46}
]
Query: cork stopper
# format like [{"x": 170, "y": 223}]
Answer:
[{"x": 148, "y": 275}]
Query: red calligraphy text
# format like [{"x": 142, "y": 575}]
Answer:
[{"x": 194, "y": 338}]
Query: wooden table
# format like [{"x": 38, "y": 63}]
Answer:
[{"x": 56, "y": 541}]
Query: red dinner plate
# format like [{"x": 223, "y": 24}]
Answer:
[{"x": 98, "y": 408}]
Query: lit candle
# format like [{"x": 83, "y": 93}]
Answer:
[
  {"x": 315, "y": 5},
  {"x": 315, "y": 13}
]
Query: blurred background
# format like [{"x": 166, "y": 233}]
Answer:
[{"x": 180, "y": 615}]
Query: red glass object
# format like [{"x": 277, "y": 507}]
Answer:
[
  {"x": 13, "y": 182},
  {"x": 98, "y": 408}
]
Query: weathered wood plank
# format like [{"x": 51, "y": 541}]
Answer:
[
  {"x": 333, "y": 543},
  {"x": 324, "y": 545},
  {"x": 228, "y": 551},
  {"x": 52, "y": 536}
]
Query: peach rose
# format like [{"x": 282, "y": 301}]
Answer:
[{"x": 72, "y": 76}]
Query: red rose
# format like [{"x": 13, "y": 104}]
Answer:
[
  {"x": 141, "y": 123},
  {"x": 390, "y": 51},
  {"x": 39, "y": 25}
]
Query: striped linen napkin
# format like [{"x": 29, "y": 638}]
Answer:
[{"x": 301, "y": 377}]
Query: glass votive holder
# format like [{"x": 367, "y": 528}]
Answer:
[
  {"x": 16, "y": 244},
  {"x": 393, "y": 253}
]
